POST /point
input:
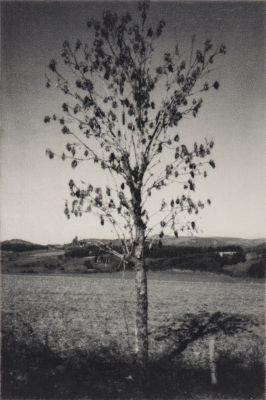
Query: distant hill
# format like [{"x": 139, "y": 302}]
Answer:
[
  {"x": 211, "y": 241},
  {"x": 21, "y": 245},
  {"x": 193, "y": 241},
  {"x": 182, "y": 241}
]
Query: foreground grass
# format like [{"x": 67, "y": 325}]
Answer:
[
  {"x": 37, "y": 371},
  {"x": 66, "y": 337}
]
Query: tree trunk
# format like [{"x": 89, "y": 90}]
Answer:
[{"x": 142, "y": 345}]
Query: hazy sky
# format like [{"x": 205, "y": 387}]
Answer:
[{"x": 33, "y": 188}]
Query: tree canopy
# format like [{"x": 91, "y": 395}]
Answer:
[{"x": 115, "y": 119}]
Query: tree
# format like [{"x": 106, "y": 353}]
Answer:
[
  {"x": 75, "y": 241},
  {"x": 114, "y": 117}
]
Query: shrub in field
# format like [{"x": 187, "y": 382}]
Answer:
[
  {"x": 257, "y": 270},
  {"x": 88, "y": 264},
  {"x": 78, "y": 252}
]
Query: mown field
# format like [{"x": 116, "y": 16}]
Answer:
[{"x": 79, "y": 314}]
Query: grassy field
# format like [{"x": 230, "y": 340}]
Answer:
[{"x": 82, "y": 313}]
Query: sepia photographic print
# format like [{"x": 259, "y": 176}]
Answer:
[{"x": 133, "y": 200}]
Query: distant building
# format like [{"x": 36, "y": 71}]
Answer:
[{"x": 226, "y": 253}]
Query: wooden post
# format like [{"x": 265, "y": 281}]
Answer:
[{"x": 213, "y": 370}]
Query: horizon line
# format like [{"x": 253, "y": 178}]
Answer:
[{"x": 165, "y": 237}]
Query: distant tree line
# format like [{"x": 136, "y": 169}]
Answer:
[
  {"x": 173, "y": 251},
  {"x": 199, "y": 262},
  {"x": 169, "y": 257},
  {"x": 158, "y": 252}
]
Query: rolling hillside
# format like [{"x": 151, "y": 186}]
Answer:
[
  {"x": 212, "y": 241},
  {"x": 21, "y": 245}
]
